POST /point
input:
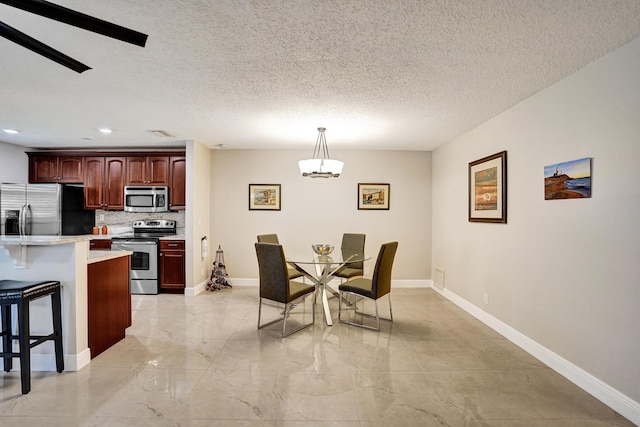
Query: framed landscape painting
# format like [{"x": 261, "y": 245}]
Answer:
[
  {"x": 264, "y": 197},
  {"x": 373, "y": 196},
  {"x": 488, "y": 189},
  {"x": 568, "y": 180}
]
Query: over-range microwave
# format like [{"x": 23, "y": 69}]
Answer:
[{"x": 146, "y": 199}]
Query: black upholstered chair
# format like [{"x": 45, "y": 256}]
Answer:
[
  {"x": 275, "y": 285},
  {"x": 273, "y": 238},
  {"x": 375, "y": 288},
  {"x": 21, "y": 293},
  {"x": 351, "y": 243}
]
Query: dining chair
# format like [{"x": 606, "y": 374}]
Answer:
[
  {"x": 275, "y": 285},
  {"x": 351, "y": 243},
  {"x": 375, "y": 288},
  {"x": 273, "y": 238}
]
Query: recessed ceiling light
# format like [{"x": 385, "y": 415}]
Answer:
[
  {"x": 11, "y": 131},
  {"x": 105, "y": 131}
]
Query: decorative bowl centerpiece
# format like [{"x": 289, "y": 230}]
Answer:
[{"x": 322, "y": 248}]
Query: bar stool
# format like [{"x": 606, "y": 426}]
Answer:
[{"x": 21, "y": 293}]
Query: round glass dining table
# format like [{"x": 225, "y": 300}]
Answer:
[{"x": 320, "y": 269}]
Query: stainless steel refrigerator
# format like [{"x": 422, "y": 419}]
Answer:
[{"x": 44, "y": 210}]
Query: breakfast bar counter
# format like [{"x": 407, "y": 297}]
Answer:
[{"x": 65, "y": 259}]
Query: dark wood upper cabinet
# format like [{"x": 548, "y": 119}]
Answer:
[
  {"x": 177, "y": 182},
  {"x": 54, "y": 169},
  {"x": 104, "y": 174},
  {"x": 104, "y": 182},
  {"x": 148, "y": 170}
]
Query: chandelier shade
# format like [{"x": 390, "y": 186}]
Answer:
[{"x": 320, "y": 166}]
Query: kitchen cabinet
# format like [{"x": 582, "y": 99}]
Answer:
[
  {"x": 100, "y": 245},
  {"x": 177, "y": 182},
  {"x": 147, "y": 170},
  {"x": 104, "y": 179},
  {"x": 104, "y": 174},
  {"x": 109, "y": 303},
  {"x": 172, "y": 266},
  {"x": 54, "y": 169}
]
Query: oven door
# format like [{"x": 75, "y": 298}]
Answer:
[{"x": 144, "y": 263}]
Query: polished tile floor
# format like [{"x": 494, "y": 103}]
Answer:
[{"x": 201, "y": 362}]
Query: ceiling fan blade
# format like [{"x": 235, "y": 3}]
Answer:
[
  {"x": 30, "y": 43},
  {"x": 80, "y": 20}
]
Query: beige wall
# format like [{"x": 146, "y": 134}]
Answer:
[
  {"x": 321, "y": 210},
  {"x": 197, "y": 215},
  {"x": 564, "y": 273}
]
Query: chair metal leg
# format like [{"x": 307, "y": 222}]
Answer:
[
  {"x": 375, "y": 303},
  {"x": 287, "y": 311},
  {"x": 284, "y": 321},
  {"x": 362, "y": 313}
]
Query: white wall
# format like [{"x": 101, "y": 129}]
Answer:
[
  {"x": 14, "y": 163},
  {"x": 321, "y": 210},
  {"x": 565, "y": 273}
]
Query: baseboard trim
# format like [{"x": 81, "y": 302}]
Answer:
[
  {"x": 198, "y": 289},
  {"x": 611, "y": 397},
  {"x": 47, "y": 362},
  {"x": 421, "y": 283}
]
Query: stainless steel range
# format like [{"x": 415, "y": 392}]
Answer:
[{"x": 144, "y": 245}]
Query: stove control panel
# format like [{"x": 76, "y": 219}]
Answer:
[{"x": 154, "y": 223}]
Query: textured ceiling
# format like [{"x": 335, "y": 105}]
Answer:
[{"x": 392, "y": 74}]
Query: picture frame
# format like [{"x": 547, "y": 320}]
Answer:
[
  {"x": 264, "y": 197},
  {"x": 373, "y": 196},
  {"x": 488, "y": 189},
  {"x": 568, "y": 180}
]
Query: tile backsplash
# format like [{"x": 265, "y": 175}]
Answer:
[{"x": 120, "y": 219}]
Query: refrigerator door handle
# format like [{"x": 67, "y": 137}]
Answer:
[
  {"x": 21, "y": 220},
  {"x": 25, "y": 220}
]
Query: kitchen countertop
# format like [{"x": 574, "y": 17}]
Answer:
[
  {"x": 98, "y": 256},
  {"x": 41, "y": 240},
  {"x": 176, "y": 237}
]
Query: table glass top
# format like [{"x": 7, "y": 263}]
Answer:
[{"x": 335, "y": 257}]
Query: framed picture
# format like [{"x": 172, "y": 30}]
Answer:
[
  {"x": 264, "y": 197},
  {"x": 488, "y": 189},
  {"x": 568, "y": 180},
  {"x": 373, "y": 196}
]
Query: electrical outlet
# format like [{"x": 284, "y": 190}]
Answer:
[
  {"x": 486, "y": 298},
  {"x": 101, "y": 217}
]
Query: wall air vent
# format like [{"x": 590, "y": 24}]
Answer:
[{"x": 161, "y": 133}]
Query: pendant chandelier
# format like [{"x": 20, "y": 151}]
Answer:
[{"x": 321, "y": 166}]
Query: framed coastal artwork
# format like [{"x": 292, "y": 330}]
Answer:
[
  {"x": 373, "y": 196},
  {"x": 264, "y": 197},
  {"x": 568, "y": 180},
  {"x": 488, "y": 189}
]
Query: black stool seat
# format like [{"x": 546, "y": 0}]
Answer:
[{"x": 21, "y": 293}]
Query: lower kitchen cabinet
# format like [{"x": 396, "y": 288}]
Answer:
[
  {"x": 109, "y": 302},
  {"x": 172, "y": 268},
  {"x": 100, "y": 244}
]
